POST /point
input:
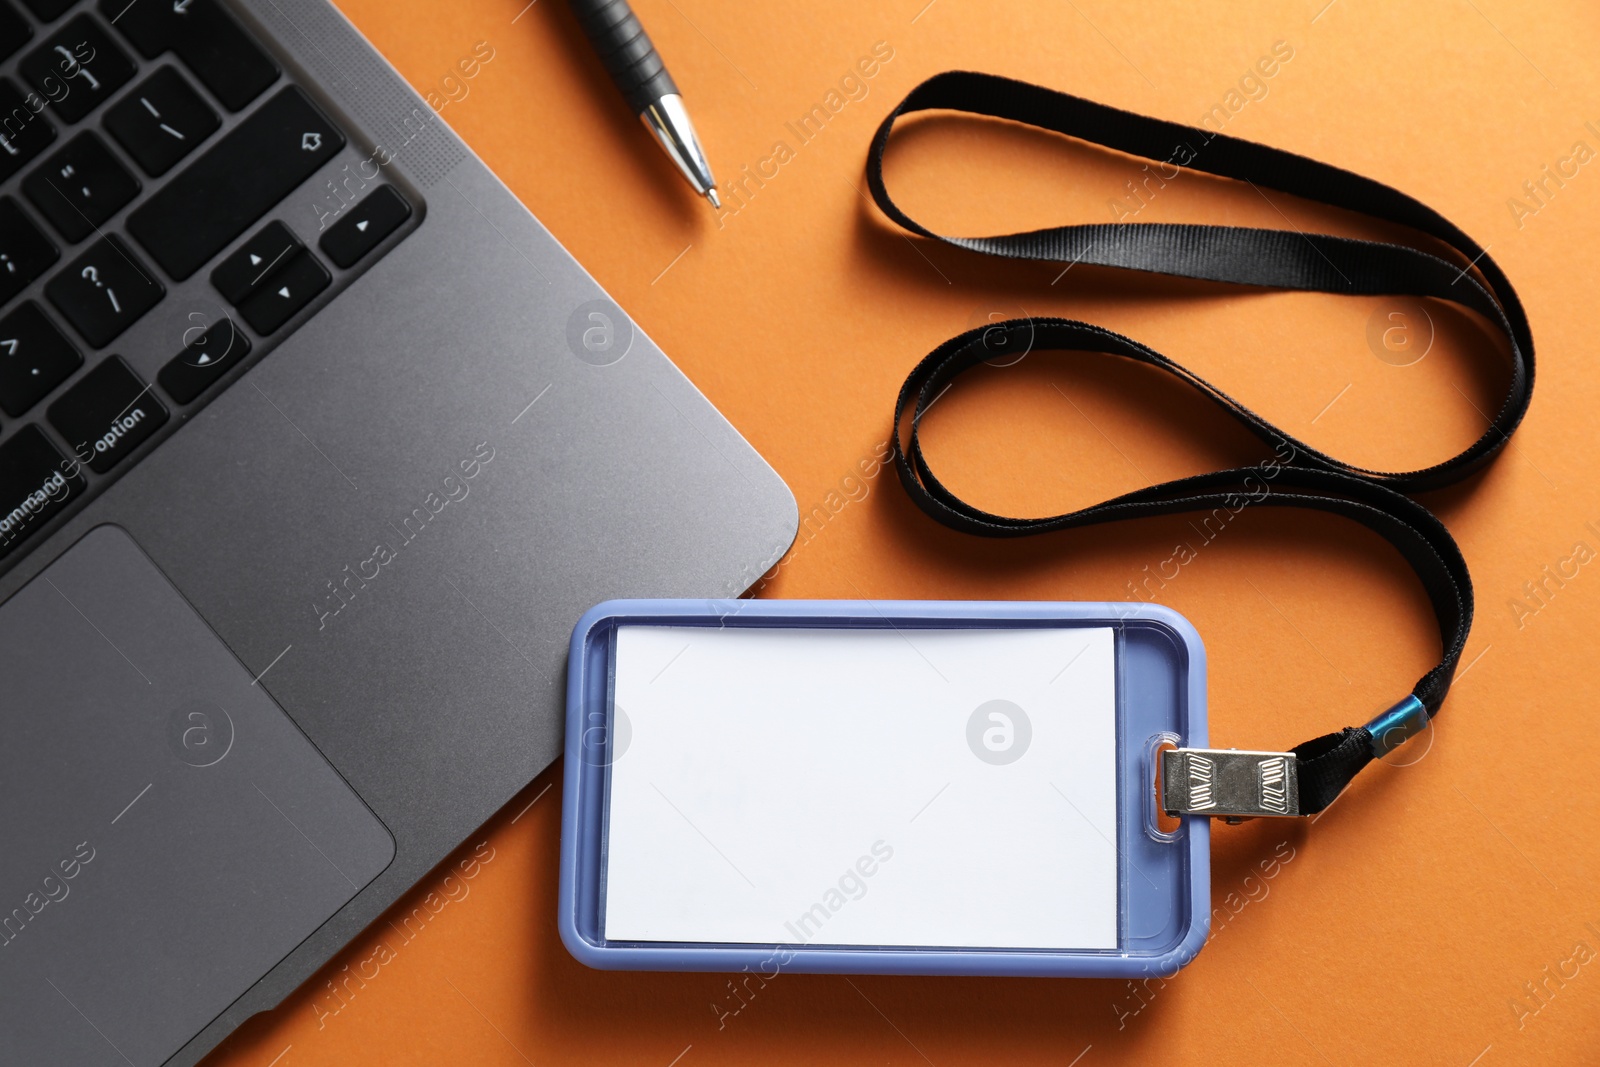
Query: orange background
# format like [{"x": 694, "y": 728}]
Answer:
[{"x": 1410, "y": 917}]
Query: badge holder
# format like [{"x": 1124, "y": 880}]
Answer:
[{"x": 710, "y": 856}]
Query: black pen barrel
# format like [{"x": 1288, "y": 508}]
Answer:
[{"x": 625, "y": 50}]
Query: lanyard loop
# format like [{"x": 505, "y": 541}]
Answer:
[{"x": 1299, "y": 475}]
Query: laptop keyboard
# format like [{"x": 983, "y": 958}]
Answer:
[{"x": 143, "y": 144}]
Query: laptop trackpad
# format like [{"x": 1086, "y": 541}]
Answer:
[{"x": 168, "y": 833}]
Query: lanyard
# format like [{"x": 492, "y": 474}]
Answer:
[{"x": 1308, "y": 778}]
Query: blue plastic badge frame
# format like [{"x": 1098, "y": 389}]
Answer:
[{"x": 1164, "y": 896}]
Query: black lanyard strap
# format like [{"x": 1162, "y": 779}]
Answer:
[{"x": 1299, "y": 475}]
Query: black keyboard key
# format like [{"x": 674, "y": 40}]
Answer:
[
  {"x": 242, "y": 272},
  {"x": 80, "y": 187},
  {"x": 34, "y": 358},
  {"x": 235, "y": 182},
  {"x": 286, "y": 292},
  {"x": 77, "y": 68},
  {"x": 106, "y": 413},
  {"x": 204, "y": 359},
  {"x": 365, "y": 226},
  {"x": 161, "y": 121},
  {"x": 104, "y": 290},
  {"x": 49, "y": 10},
  {"x": 14, "y": 30},
  {"x": 36, "y": 481},
  {"x": 24, "y": 133},
  {"x": 25, "y": 252},
  {"x": 205, "y": 37}
]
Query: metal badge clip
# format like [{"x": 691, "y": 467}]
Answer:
[{"x": 1229, "y": 783}]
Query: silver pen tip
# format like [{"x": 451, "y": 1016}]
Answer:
[{"x": 711, "y": 195}]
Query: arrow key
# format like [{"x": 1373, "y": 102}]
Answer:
[
  {"x": 34, "y": 358},
  {"x": 289, "y": 288},
  {"x": 204, "y": 360},
  {"x": 365, "y": 226},
  {"x": 252, "y": 263}
]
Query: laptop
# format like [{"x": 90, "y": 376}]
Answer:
[{"x": 314, "y": 444}]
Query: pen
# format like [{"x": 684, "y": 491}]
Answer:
[{"x": 632, "y": 62}]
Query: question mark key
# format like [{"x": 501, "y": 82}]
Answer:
[{"x": 104, "y": 291}]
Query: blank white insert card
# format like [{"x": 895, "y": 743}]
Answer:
[{"x": 894, "y": 787}]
